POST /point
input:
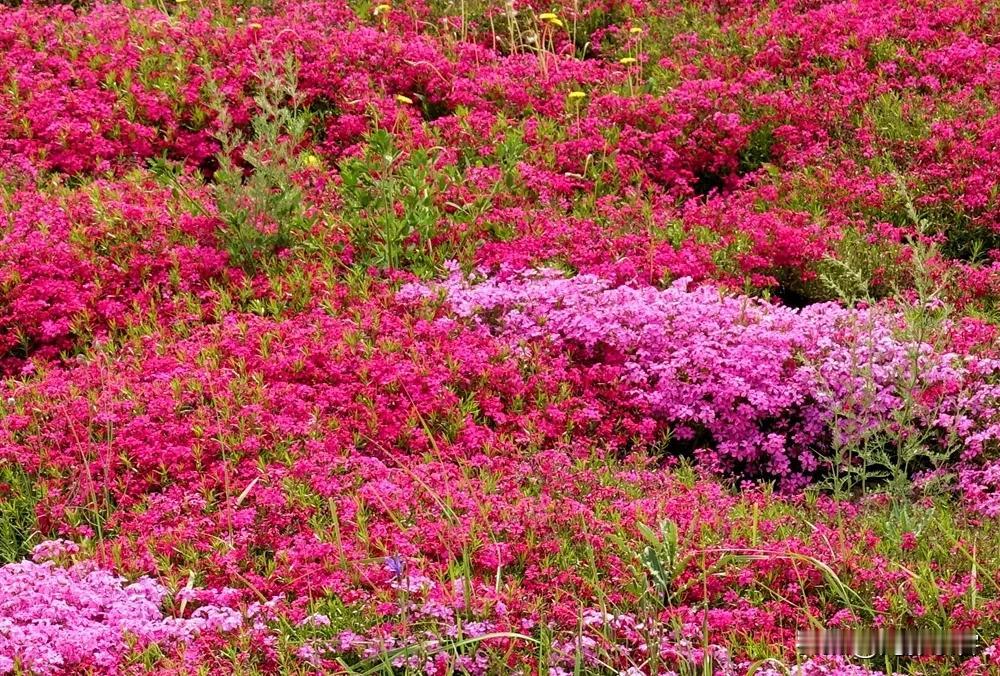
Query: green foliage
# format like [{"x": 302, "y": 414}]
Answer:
[
  {"x": 597, "y": 19},
  {"x": 964, "y": 240},
  {"x": 262, "y": 209},
  {"x": 757, "y": 151},
  {"x": 859, "y": 270},
  {"x": 390, "y": 202},
  {"x": 661, "y": 558},
  {"x": 888, "y": 455},
  {"x": 18, "y": 497},
  {"x": 882, "y": 51},
  {"x": 893, "y": 121},
  {"x": 509, "y": 152}
]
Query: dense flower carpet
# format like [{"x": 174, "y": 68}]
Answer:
[{"x": 497, "y": 336}]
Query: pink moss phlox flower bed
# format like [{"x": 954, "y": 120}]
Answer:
[
  {"x": 57, "y": 619},
  {"x": 767, "y": 383},
  {"x": 502, "y": 337}
]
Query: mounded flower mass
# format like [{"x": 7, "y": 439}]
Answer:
[{"x": 504, "y": 337}]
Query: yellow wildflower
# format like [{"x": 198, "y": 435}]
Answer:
[
  {"x": 404, "y": 99},
  {"x": 627, "y": 61},
  {"x": 547, "y": 16},
  {"x": 577, "y": 95}
]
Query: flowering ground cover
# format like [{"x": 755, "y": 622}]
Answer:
[{"x": 497, "y": 336}]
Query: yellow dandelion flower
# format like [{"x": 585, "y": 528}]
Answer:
[
  {"x": 627, "y": 61},
  {"x": 634, "y": 29},
  {"x": 547, "y": 16},
  {"x": 312, "y": 161},
  {"x": 404, "y": 99},
  {"x": 577, "y": 95},
  {"x": 556, "y": 22}
]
